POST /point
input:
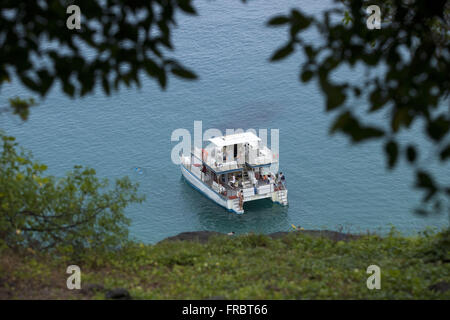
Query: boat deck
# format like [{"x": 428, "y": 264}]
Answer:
[{"x": 234, "y": 169}]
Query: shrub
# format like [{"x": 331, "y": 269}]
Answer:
[{"x": 77, "y": 211}]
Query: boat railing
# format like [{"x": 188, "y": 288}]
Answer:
[
  {"x": 216, "y": 162},
  {"x": 261, "y": 155},
  {"x": 225, "y": 191},
  {"x": 186, "y": 162}
]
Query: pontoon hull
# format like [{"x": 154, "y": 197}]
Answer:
[
  {"x": 229, "y": 204},
  {"x": 208, "y": 192}
]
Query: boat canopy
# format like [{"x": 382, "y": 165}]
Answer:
[{"x": 237, "y": 138}]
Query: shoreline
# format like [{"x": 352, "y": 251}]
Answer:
[{"x": 204, "y": 236}]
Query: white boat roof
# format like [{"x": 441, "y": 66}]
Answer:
[{"x": 245, "y": 137}]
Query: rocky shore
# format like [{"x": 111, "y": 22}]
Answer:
[{"x": 204, "y": 236}]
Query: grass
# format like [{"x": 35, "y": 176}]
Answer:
[{"x": 296, "y": 266}]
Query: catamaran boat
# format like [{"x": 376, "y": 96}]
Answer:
[{"x": 234, "y": 169}]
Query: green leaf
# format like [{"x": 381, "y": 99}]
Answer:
[
  {"x": 186, "y": 6},
  {"x": 445, "y": 153},
  {"x": 341, "y": 121},
  {"x": 151, "y": 68},
  {"x": 426, "y": 182},
  {"x": 278, "y": 20},
  {"x": 411, "y": 154},
  {"x": 335, "y": 97},
  {"x": 401, "y": 116},
  {"x": 282, "y": 52},
  {"x": 105, "y": 86},
  {"x": 68, "y": 88},
  {"x": 21, "y": 106},
  {"x": 391, "y": 149},
  {"x": 162, "y": 78},
  {"x": 438, "y": 128},
  {"x": 365, "y": 133},
  {"x": 310, "y": 52},
  {"x": 183, "y": 72},
  {"x": 298, "y": 22},
  {"x": 377, "y": 100},
  {"x": 306, "y": 75},
  {"x": 347, "y": 18}
]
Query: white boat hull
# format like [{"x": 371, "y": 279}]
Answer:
[
  {"x": 208, "y": 192},
  {"x": 232, "y": 205}
]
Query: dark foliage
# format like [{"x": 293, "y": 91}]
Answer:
[
  {"x": 126, "y": 37},
  {"x": 412, "y": 47},
  {"x": 70, "y": 214},
  {"x": 122, "y": 37}
]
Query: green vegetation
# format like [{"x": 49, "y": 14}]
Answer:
[
  {"x": 404, "y": 69},
  {"x": 295, "y": 266},
  {"x": 68, "y": 214},
  {"x": 406, "y": 65},
  {"x": 47, "y": 223}
]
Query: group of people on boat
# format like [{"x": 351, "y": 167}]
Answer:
[
  {"x": 234, "y": 182},
  {"x": 278, "y": 179}
]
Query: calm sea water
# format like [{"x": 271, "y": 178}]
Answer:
[{"x": 332, "y": 184}]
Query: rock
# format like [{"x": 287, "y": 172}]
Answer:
[
  {"x": 118, "y": 294},
  {"x": 204, "y": 236},
  {"x": 332, "y": 235},
  {"x": 200, "y": 236},
  {"x": 278, "y": 235},
  {"x": 91, "y": 288},
  {"x": 442, "y": 286}
]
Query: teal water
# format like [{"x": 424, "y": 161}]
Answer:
[{"x": 332, "y": 184}]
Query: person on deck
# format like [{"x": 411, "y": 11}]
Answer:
[
  {"x": 283, "y": 179},
  {"x": 241, "y": 200},
  {"x": 232, "y": 181},
  {"x": 271, "y": 179}
]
